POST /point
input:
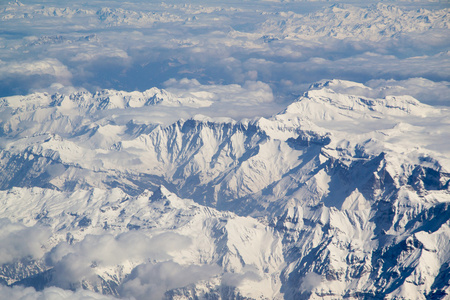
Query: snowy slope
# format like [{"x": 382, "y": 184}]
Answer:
[
  {"x": 342, "y": 21},
  {"x": 338, "y": 195},
  {"x": 108, "y": 233}
]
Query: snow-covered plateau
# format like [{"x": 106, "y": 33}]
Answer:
[{"x": 337, "y": 196}]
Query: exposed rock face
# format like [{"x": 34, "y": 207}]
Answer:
[{"x": 336, "y": 196}]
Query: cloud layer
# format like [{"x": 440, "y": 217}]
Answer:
[
  {"x": 74, "y": 263},
  {"x": 242, "y": 61},
  {"x": 151, "y": 281},
  {"x": 255, "y": 52},
  {"x": 51, "y": 293},
  {"x": 18, "y": 241}
]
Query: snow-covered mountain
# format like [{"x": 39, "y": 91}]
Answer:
[
  {"x": 342, "y": 21},
  {"x": 338, "y": 195}
]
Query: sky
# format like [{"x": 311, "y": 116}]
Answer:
[{"x": 240, "y": 52}]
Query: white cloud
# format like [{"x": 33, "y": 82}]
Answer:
[
  {"x": 427, "y": 91},
  {"x": 132, "y": 46},
  {"x": 248, "y": 94},
  {"x": 235, "y": 279},
  {"x": 58, "y": 88},
  {"x": 239, "y": 62},
  {"x": 95, "y": 53},
  {"x": 73, "y": 263},
  {"x": 310, "y": 281},
  {"x": 151, "y": 281},
  {"x": 49, "y": 66},
  {"x": 18, "y": 241},
  {"x": 50, "y": 293},
  {"x": 251, "y": 99}
]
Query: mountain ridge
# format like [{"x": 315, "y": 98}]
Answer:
[{"x": 345, "y": 196}]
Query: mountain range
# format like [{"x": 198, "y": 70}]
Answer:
[{"x": 339, "y": 195}]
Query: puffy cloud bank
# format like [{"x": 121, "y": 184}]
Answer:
[
  {"x": 72, "y": 263},
  {"x": 18, "y": 241},
  {"x": 249, "y": 94},
  {"x": 242, "y": 61},
  {"x": 77, "y": 262},
  {"x": 51, "y": 293},
  {"x": 151, "y": 281},
  {"x": 255, "y": 52}
]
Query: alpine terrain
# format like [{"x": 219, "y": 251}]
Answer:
[{"x": 339, "y": 195}]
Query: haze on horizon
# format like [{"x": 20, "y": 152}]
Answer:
[
  {"x": 148, "y": 147},
  {"x": 267, "y": 50}
]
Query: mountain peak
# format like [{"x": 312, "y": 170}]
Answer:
[
  {"x": 333, "y": 83},
  {"x": 161, "y": 193},
  {"x": 337, "y": 99}
]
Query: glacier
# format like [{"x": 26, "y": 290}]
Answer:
[{"x": 339, "y": 195}]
